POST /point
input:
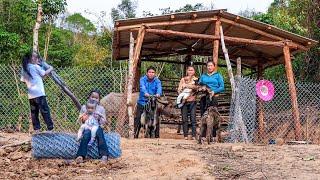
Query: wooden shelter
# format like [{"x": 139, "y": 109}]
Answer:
[{"x": 202, "y": 33}]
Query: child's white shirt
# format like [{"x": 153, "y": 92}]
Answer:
[{"x": 35, "y": 83}]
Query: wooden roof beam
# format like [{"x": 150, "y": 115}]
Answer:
[
  {"x": 185, "y": 28},
  {"x": 263, "y": 33},
  {"x": 235, "y": 40},
  {"x": 177, "y": 62},
  {"x": 184, "y": 34},
  {"x": 168, "y": 23},
  {"x": 231, "y": 26}
]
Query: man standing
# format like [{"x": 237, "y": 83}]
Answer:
[{"x": 149, "y": 85}]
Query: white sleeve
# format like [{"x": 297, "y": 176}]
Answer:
[{"x": 40, "y": 70}]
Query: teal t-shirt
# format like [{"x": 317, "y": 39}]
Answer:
[{"x": 214, "y": 81}]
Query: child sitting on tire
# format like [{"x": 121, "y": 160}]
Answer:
[{"x": 89, "y": 120}]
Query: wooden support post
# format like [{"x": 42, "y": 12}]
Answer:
[
  {"x": 133, "y": 62},
  {"x": 239, "y": 67},
  {"x": 215, "y": 52},
  {"x": 226, "y": 56},
  {"x": 239, "y": 123},
  {"x": 262, "y": 135},
  {"x": 130, "y": 88},
  {"x": 137, "y": 49},
  {"x": 293, "y": 92}
]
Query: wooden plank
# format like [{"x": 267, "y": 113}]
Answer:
[
  {"x": 263, "y": 33},
  {"x": 135, "y": 58},
  {"x": 235, "y": 40},
  {"x": 226, "y": 55},
  {"x": 215, "y": 52},
  {"x": 130, "y": 88},
  {"x": 262, "y": 135},
  {"x": 226, "y": 31},
  {"x": 293, "y": 93},
  {"x": 184, "y": 34},
  {"x": 239, "y": 66},
  {"x": 137, "y": 49},
  {"x": 167, "y": 23}
]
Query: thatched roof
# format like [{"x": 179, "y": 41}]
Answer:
[{"x": 202, "y": 22}]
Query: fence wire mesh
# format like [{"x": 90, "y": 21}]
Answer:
[
  {"x": 251, "y": 120},
  {"x": 14, "y": 104},
  {"x": 256, "y": 121}
]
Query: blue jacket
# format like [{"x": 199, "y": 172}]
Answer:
[
  {"x": 214, "y": 81},
  {"x": 151, "y": 87}
]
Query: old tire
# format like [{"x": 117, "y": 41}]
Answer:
[{"x": 63, "y": 145}]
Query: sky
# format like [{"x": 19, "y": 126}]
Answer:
[{"x": 96, "y": 6}]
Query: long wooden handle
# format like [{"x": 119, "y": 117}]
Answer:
[{"x": 55, "y": 77}]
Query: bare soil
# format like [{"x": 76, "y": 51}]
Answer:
[{"x": 167, "y": 159}]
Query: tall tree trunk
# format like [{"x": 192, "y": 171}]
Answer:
[
  {"x": 36, "y": 28},
  {"x": 313, "y": 17},
  {"x": 53, "y": 74},
  {"x": 47, "y": 42},
  {"x": 311, "y": 67}
]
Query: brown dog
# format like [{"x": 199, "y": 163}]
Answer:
[{"x": 211, "y": 119}]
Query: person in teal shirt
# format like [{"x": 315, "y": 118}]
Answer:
[{"x": 214, "y": 81}]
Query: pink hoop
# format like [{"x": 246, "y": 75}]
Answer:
[{"x": 265, "y": 90}]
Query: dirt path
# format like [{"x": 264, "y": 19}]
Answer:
[{"x": 169, "y": 159}]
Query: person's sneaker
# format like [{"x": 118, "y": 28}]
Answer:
[
  {"x": 91, "y": 142},
  {"x": 79, "y": 159},
  {"x": 104, "y": 159}
]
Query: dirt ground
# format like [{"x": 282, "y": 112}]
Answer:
[{"x": 167, "y": 159}]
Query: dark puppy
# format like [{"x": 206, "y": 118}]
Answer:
[{"x": 211, "y": 119}]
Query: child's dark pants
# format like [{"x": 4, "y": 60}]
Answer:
[{"x": 40, "y": 104}]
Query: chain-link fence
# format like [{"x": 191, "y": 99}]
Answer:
[
  {"x": 14, "y": 104},
  {"x": 253, "y": 120}
]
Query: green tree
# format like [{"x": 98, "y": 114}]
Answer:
[
  {"x": 126, "y": 9},
  {"x": 185, "y": 8},
  {"x": 51, "y": 10},
  {"x": 301, "y": 17},
  {"x": 249, "y": 13},
  {"x": 189, "y": 7},
  {"x": 62, "y": 50},
  {"x": 90, "y": 54},
  {"x": 79, "y": 24},
  {"x": 17, "y": 21},
  {"x": 9, "y": 46}
]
